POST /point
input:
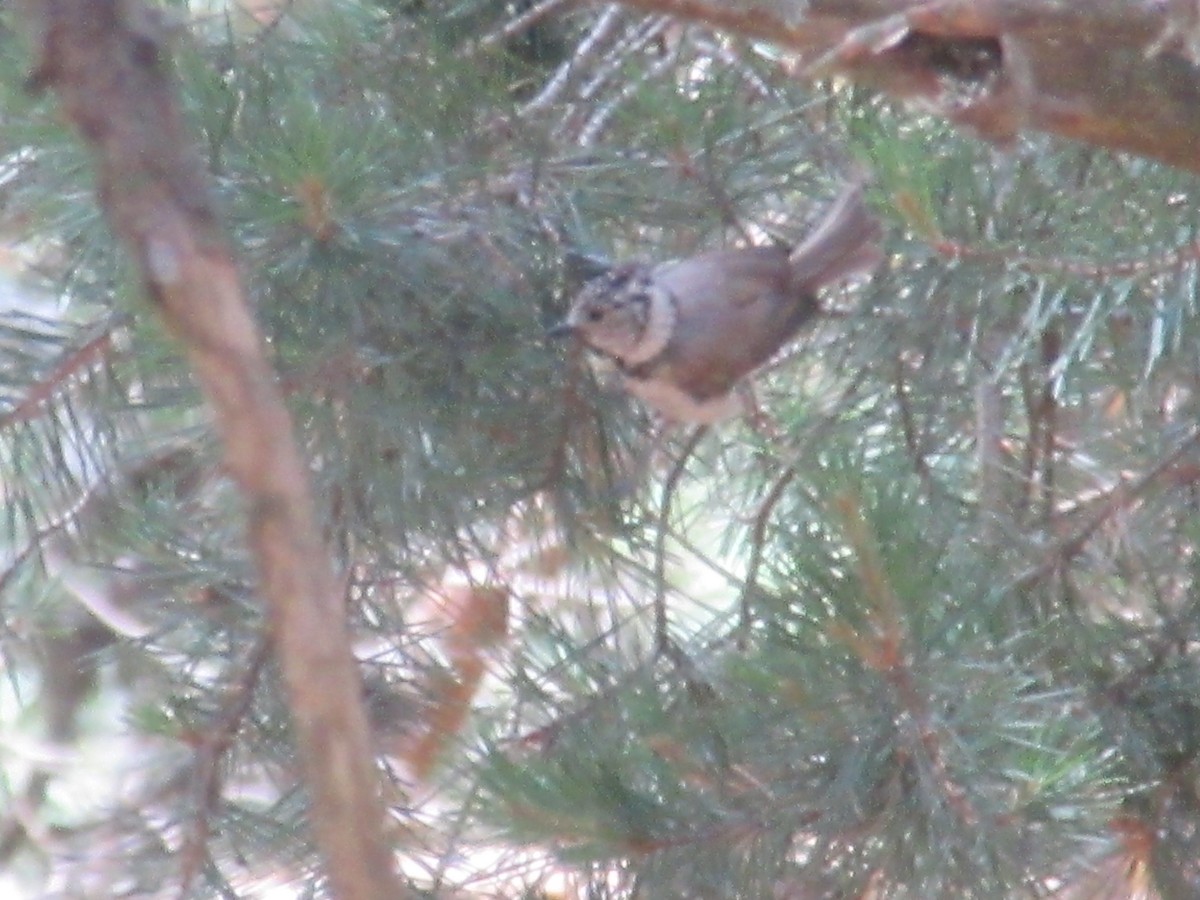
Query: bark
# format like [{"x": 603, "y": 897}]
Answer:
[
  {"x": 1120, "y": 74},
  {"x": 107, "y": 62}
]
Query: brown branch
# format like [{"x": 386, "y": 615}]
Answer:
[
  {"x": 1106, "y": 72},
  {"x": 1169, "y": 260},
  {"x": 908, "y": 423},
  {"x": 761, "y": 21},
  {"x": 206, "y": 774},
  {"x": 1121, "y": 497},
  {"x": 1047, "y": 418},
  {"x": 107, "y": 62},
  {"x": 758, "y": 539},
  {"x": 79, "y": 359}
]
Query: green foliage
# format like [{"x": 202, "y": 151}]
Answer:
[{"x": 932, "y": 632}]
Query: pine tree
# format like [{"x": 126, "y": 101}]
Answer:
[{"x": 927, "y": 632}]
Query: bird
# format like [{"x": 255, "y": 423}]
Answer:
[{"x": 686, "y": 334}]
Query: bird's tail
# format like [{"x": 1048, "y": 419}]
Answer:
[{"x": 845, "y": 243}]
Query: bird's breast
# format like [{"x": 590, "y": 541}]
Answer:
[{"x": 678, "y": 405}]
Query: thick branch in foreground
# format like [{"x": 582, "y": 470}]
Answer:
[
  {"x": 106, "y": 61},
  {"x": 1120, "y": 74}
]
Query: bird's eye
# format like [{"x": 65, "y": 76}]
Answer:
[{"x": 595, "y": 314}]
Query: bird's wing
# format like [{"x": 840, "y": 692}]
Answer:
[
  {"x": 739, "y": 276},
  {"x": 736, "y": 309}
]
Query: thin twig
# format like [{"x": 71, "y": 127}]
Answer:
[
  {"x": 1118, "y": 498},
  {"x": 908, "y": 423},
  {"x": 757, "y": 541},
  {"x": 636, "y": 37},
  {"x": 717, "y": 47},
  {"x": 601, "y": 31},
  {"x": 60, "y": 522},
  {"x": 1051, "y": 347},
  {"x": 1168, "y": 260},
  {"x": 595, "y": 123},
  {"x": 78, "y": 360},
  {"x": 1029, "y": 460},
  {"x": 989, "y": 454},
  {"x": 717, "y": 189},
  {"x": 518, "y": 24},
  {"x": 206, "y": 776},
  {"x": 662, "y": 637},
  {"x": 556, "y": 465}
]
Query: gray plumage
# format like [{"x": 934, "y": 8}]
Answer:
[{"x": 685, "y": 333}]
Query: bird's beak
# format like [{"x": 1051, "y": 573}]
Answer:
[{"x": 561, "y": 330}]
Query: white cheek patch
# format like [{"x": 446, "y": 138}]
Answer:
[{"x": 662, "y": 309}]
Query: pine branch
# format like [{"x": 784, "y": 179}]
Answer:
[
  {"x": 1120, "y": 497},
  {"x": 206, "y": 774},
  {"x": 599, "y": 36},
  {"x": 67, "y": 666},
  {"x": 106, "y": 60},
  {"x": 662, "y": 632},
  {"x": 1144, "y": 266},
  {"x": 757, "y": 545},
  {"x": 75, "y": 362},
  {"x": 1098, "y": 72},
  {"x": 523, "y": 22}
]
